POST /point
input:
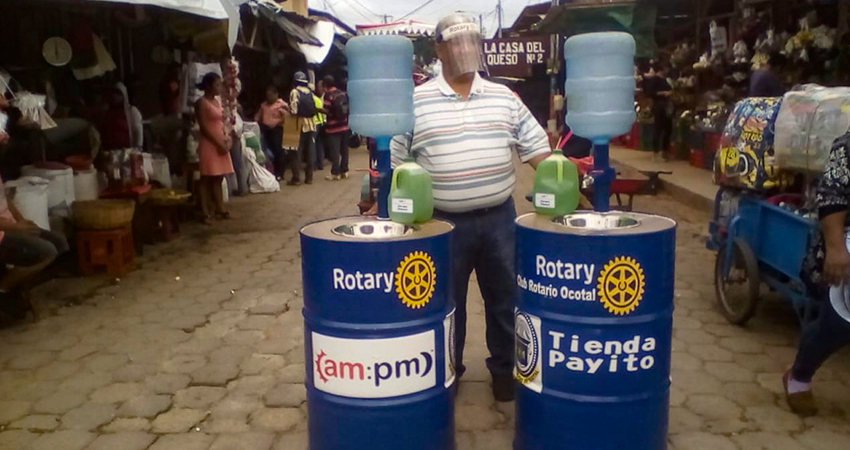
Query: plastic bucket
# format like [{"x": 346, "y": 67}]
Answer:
[{"x": 30, "y": 199}]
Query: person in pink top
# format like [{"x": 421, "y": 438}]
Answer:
[
  {"x": 26, "y": 248},
  {"x": 270, "y": 117},
  {"x": 213, "y": 148}
]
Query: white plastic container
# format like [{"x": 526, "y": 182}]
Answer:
[
  {"x": 31, "y": 194},
  {"x": 86, "y": 185},
  {"x": 161, "y": 171},
  {"x": 60, "y": 193},
  {"x": 380, "y": 85},
  {"x": 600, "y": 85}
]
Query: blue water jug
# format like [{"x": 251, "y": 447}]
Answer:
[
  {"x": 600, "y": 85},
  {"x": 380, "y": 85}
]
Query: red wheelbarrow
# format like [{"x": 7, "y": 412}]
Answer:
[{"x": 629, "y": 183}]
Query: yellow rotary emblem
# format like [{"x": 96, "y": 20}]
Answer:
[
  {"x": 621, "y": 285},
  {"x": 416, "y": 279}
]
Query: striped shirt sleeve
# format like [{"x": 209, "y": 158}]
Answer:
[
  {"x": 531, "y": 139},
  {"x": 400, "y": 148}
]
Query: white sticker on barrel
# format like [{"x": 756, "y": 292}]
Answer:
[
  {"x": 374, "y": 368},
  {"x": 528, "y": 368},
  {"x": 402, "y": 205},
  {"x": 449, "y": 347},
  {"x": 544, "y": 200}
]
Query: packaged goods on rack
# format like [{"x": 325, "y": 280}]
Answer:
[
  {"x": 809, "y": 121},
  {"x": 746, "y": 156}
]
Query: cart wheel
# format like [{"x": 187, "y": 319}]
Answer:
[{"x": 738, "y": 289}]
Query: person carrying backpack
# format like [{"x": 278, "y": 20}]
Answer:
[
  {"x": 303, "y": 106},
  {"x": 336, "y": 129}
]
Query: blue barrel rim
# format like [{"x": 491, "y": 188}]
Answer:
[
  {"x": 536, "y": 222},
  {"x": 430, "y": 228}
]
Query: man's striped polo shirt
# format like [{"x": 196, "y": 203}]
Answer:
[{"x": 466, "y": 146}]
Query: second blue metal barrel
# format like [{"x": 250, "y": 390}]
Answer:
[
  {"x": 593, "y": 331},
  {"x": 378, "y": 335}
]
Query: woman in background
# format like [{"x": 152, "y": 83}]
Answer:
[
  {"x": 213, "y": 148},
  {"x": 271, "y": 116}
]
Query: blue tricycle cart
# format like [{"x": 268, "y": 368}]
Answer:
[{"x": 757, "y": 241}]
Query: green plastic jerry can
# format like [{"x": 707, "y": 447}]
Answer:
[
  {"x": 556, "y": 186},
  {"x": 411, "y": 200}
]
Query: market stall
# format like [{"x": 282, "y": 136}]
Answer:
[
  {"x": 86, "y": 88},
  {"x": 746, "y": 48}
]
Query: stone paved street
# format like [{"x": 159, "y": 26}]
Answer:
[{"x": 201, "y": 348}]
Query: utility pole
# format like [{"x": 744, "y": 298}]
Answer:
[
  {"x": 554, "y": 67},
  {"x": 481, "y": 24},
  {"x": 386, "y": 19},
  {"x": 499, "y": 11}
]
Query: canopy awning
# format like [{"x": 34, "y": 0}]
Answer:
[
  {"x": 293, "y": 24},
  {"x": 401, "y": 27},
  {"x": 635, "y": 18},
  {"x": 213, "y": 9}
]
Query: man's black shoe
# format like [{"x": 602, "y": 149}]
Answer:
[{"x": 503, "y": 388}]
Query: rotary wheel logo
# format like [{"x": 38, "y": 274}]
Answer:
[
  {"x": 416, "y": 279},
  {"x": 621, "y": 285}
]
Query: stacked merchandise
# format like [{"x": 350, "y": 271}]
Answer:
[
  {"x": 810, "y": 120},
  {"x": 746, "y": 157}
]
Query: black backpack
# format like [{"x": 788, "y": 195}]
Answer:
[
  {"x": 339, "y": 106},
  {"x": 306, "y": 104}
]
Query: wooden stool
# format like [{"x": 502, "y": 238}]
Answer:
[{"x": 111, "y": 249}]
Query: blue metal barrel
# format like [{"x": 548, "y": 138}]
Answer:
[
  {"x": 594, "y": 326},
  {"x": 378, "y": 335}
]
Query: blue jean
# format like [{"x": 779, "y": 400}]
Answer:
[
  {"x": 306, "y": 154},
  {"x": 484, "y": 241},
  {"x": 321, "y": 153},
  {"x": 821, "y": 338},
  {"x": 30, "y": 248}
]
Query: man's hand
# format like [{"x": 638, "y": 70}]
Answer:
[
  {"x": 4, "y": 137},
  {"x": 533, "y": 162},
  {"x": 226, "y": 144},
  {"x": 29, "y": 224},
  {"x": 836, "y": 266},
  {"x": 25, "y": 225}
]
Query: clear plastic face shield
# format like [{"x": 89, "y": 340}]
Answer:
[{"x": 462, "y": 51}]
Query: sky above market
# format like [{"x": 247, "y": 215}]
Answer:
[{"x": 358, "y": 12}]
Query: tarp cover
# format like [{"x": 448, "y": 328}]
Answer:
[{"x": 637, "y": 19}]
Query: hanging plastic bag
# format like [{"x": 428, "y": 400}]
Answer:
[
  {"x": 260, "y": 180},
  {"x": 32, "y": 108}
]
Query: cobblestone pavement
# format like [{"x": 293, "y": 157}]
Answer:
[{"x": 201, "y": 347}]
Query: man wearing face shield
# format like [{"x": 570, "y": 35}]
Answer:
[{"x": 465, "y": 132}]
